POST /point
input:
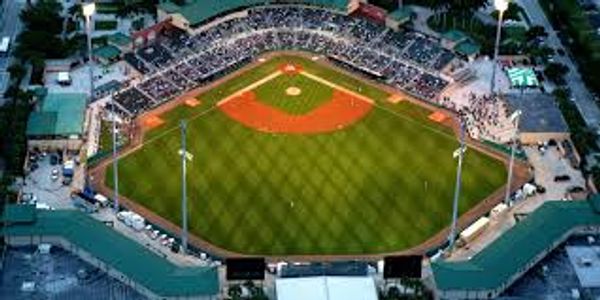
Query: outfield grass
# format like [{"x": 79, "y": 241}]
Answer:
[{"x": 383, "y": 184}]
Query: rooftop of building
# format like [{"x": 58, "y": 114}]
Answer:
[
  {"x": 540, "y": 112},
  {"x": 59, "y": 114},
  {"x": 135, "y": 261},
  {"x": 199, "y": 11},
  {"x": 508, "y": 255}
]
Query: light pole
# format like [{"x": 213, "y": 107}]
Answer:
[
  {"x": 501, "y": 6},
  {"x": 458, "y": 153},
  {"x": 514, "y": 118},
  {"x": 185, "y": 156},
  {"x": 88, "y": 10}
]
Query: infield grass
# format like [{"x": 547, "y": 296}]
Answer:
[
  {"x": 384, "y": 184},
  {"x": 312, "y": 94}
]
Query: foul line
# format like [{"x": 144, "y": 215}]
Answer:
[
  {"x": 167, "y": 131},
  {"x": 250, "y": 87},
  {"x": 337, "y": 87}
]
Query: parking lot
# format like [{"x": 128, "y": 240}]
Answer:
[
  {"x": 45, "y": 184},
  {"x": 547, "y": 164}
]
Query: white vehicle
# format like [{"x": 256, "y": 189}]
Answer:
[
  {"x": 471, "y": 232},
  {"x": 43, "y": 206},
  {"x": 101, "y": 199},
  {"x": 4, "y": 45}
]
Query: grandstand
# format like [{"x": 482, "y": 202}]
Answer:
[
  {"x": 196, "y": 12},
  {"x": 487, "y": 274},
  {"x": 407, "y": 61},
  {"x": 99, "y": 245}
]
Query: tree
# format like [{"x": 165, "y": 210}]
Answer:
[
  {"x": 535, "y": 32},
  {"x": 555, "y": 72},
  {"x": 43, "y": 16},
  {"x": 512, "y": 12},
  {"x": 235, "y": 292},
  {"x": 17, "y": 71}
]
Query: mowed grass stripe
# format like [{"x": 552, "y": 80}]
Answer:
[{"x": 383, "y": 184}]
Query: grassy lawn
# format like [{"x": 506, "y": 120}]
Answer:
[
  {"x": 383, "y": 184},
  {"x": 312, "y": 94},
  {"x": 105, "y": 136}
]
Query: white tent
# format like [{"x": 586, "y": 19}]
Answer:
[{"x": 326, "y": 288}]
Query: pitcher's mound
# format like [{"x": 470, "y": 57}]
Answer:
[{"x": 293, "y": 91}]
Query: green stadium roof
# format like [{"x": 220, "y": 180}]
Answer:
[
  {"x": 495, "y": 265},
  {"x": 199, "y": 11},
  {"x": 467, "y": 47},
  {"x": 119, "y": 39},
  {"x": 401, "y": 15},
  {"x": 108, "y": 52},
  {"x": 135, "y": 261},
  {"x": 58, "y": 114},
  {"x": 19, "y": 214},
  {"x": 455, "y": 35}
]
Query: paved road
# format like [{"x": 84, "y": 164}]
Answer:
[
  {"x": 10, "y": 25},
  {"x": 583, "y": 99}
]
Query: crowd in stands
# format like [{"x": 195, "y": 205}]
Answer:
[
  {"x": 487, "y": 118},
  {"x": 406, "y": 60}
]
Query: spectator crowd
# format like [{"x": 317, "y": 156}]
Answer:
[{"x": 178, "y": 62}]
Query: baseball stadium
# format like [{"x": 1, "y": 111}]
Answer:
[{"x": 294, "y": 156}]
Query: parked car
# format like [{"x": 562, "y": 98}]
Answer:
[
  {"x": 575, "y": 189},
  {"x": 562, "y": 178}
]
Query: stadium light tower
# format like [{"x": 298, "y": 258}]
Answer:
[
  {"x": 88, "y": 11},
  {"x": 458, "y": 153},
  {"x": 501, "y": 6},
  {"x": 514, "y": 118},
  {"x": 185, "y": 156}
]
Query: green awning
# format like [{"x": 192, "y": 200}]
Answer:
[
  {"x": 522, "y": 77},
  {"x": 60, "y": 114},
  {"x": 467, "y": 48},
  {"x": 108, "y": 52},
  {"x": 401, "y": 15}
]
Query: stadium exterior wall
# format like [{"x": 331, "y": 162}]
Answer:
[
  {"x": 179, "y": 21},
  {"x": 55, "y": 144},
  {"x": 87, "y": 257},
  {"x": 495, "y": 292},
  {"x": 531, "y": 138}
]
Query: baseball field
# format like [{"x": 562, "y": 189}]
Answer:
[{"x": 293, "y": 157}]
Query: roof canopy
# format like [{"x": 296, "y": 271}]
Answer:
[
  {"x": 401, "y": 15},
  {"x": 522, "y": 77},
  {"x": 115, "y": 250},
  {"x": 540, "y": 113},
  {"x": 58, "y": 114},
  {"x": 496, "y": 264},
  {"x": 326, "y": 288},
  {"x": 199, "y": 11}
]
